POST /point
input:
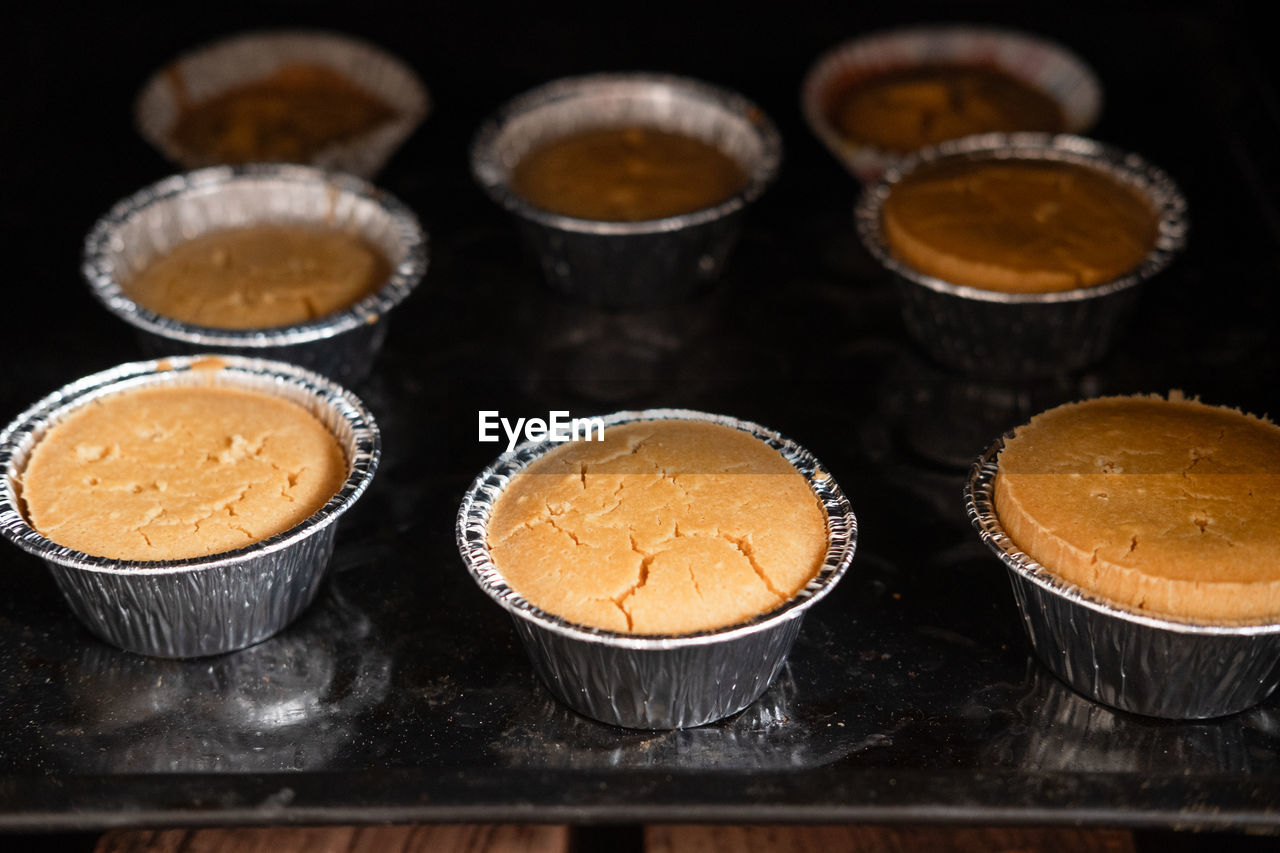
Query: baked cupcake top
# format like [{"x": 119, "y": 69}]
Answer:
[
  {"x": 626, "y": 174},
  {"x": 666, "y": 526},
  {"x": 176, "y": 472},
  {"x": 904, "y": 109},
  {"x": 1018, "y": 226},
  {"x": 291, "y": 114},
  {"x": 260, "y": 276},
  {"x": 1161, "y": 505}
]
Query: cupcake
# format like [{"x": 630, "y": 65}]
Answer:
[
  {"x": 167, "y": 473},
  {"x": 629, "y": 187},
  {"x": 186, "y": 507},
  {"x": 876, "y": 99},
  {"x": 313, "y": 98},
  {"x": 260, "y": 276},
  {"x": 1018, "y": 226},
  {"x": 276, "y": 261},
  {"x": 1140, "y": 534},
  {"x": 631, "y": 173},
  {"x": 1020, "y": 256},
  {"x": 657, "y": 577}
]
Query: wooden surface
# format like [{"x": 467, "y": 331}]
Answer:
[
  {"x": 880, "y": 839},
  {"x": 443, "y": 838},
  {"x": 473, "y": 838}
]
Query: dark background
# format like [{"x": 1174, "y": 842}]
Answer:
[{"x": 401, "y": 694}]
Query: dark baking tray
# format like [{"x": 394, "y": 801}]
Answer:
[{"x": 401, "y": 695}]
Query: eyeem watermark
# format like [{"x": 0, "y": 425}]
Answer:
[{"x": 557, "y": 427}]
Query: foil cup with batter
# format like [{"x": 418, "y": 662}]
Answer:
[
  {"x": 154, "y": 220},
  {"x": 1161, "y": 667},
  {"x": 202, "y": 605},
  {"x": 628, "y": 264},
  {"x": 1011, "y": 336},
  {"x": 226, "y": 65},
  {"x": 1041, "y": 64},
  {"x": 659, "y": 681}
]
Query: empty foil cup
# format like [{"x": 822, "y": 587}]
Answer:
[
  {"x": 1126, "y": 659},
  {"x": 202, "y": 605},
  {"x": 655, "y": 681},
  {"x": 1014, "y": 336},
  {"x": 154, "y": 220},
  {"x": 628, "y": 264},
  {"x": 230, "y": 63},
  {"x": 1042, "y": 64}
]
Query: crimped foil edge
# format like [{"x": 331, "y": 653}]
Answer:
[
  {"x": 397, "y": 233},
  {"x": 1129, "y": 169},
  {"x": 1075, "y": 86},
  {"x": 477, "y": 504},
  {"x": 338, "y": 409},
  {"x": 650, "y": 96}
]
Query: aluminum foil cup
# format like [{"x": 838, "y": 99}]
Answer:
[
  {"x": 664, "y": 681},
  {"x": 1044, "y": 65},
  {"x": 203, "y": 605},
  {"x": 243, "y": 59},
  {"x": 154, "y": 220},
  {"x": 1161, "y": 667},
  {"x": 1024, "y": 335},
  {"x": 770, "y": 735},
  {"x": 628, "y": 264}
]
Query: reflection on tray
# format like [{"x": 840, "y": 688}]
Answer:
[
  {"x": 928, "y": 416},
  {"x": 609, "y": 357},
  {"x": 284, "y": 704},
  {"x": 1051, "y": 728},
  {"x": 768, "y": 735}
]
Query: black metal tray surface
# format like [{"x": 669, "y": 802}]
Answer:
[{"x": 402, "y": 694}]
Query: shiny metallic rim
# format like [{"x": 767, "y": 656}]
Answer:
[
  {"x": 99, "y": 267},
  {"x": 980, "y": 506},
  {"x": 477, "y": 506},
  {"x": 246, "y": 373},
  {"x": 1130, "y": 169},
  {"x": 492, "y": 174}
]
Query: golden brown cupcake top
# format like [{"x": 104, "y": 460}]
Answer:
[
  {"x": 1162, "y": 505},
  {"x": 290, "y": 115},
  {"x": 1018, "y": 226},
  {"x": 260, "y": 276},
  {"x": 666, "y": 526},
  {"x": 626, "y": 174},
  {"x": 176, "y": 472},
  {"x": 905, "y": 109}
]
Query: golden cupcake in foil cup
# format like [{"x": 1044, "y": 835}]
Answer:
[
  {"x": 1140, "y": 536},
  {"x": 876, "y": 99},
  {"x": 629, "y": 188},
  {"x": 1019, "y": 256},
  {"x": 186, "y": 506},
  {"x": 658, "y": 580},
  {"x": 296, "y": 96},
  {"x": 268, "y": 261}
]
